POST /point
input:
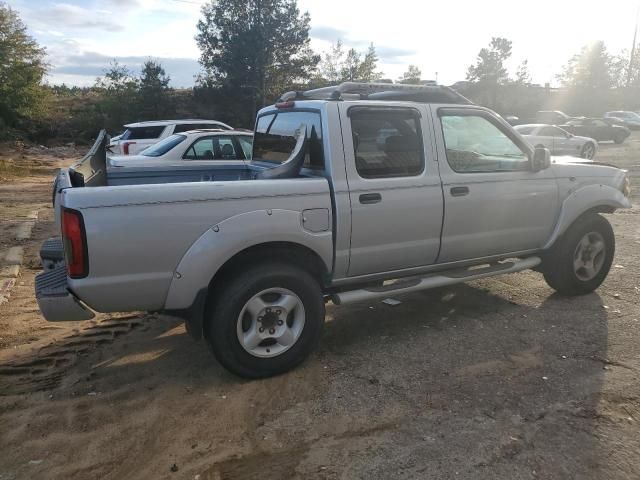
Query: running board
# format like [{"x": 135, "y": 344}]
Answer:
[{"x": 442, "y": 279}]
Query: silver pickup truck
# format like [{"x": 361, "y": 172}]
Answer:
[{"x": 355, "y": 192}]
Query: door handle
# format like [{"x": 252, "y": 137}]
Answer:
[
  {"x": 459, "y": 191},
  {"x": 367, "y": 198}
]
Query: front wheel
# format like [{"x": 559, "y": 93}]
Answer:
[
  {"x": 588, "y": 151},
  {"x": 581, "y": 259},
  {"x": 619, "y": 139},
  {"x": 265, "y": 320}
]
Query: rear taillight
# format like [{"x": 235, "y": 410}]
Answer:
[
  {"x": 75, "y": 243},
  {"x": 125, "y": 147}
]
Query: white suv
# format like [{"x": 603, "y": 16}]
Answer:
[{"x": 138, "y": 136}]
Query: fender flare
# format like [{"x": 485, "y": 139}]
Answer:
[
  {"x": 588, "y": 198},
  {"x": 234, "y": 235}
]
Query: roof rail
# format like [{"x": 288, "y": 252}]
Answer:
[{"x": 379, "y": 91}]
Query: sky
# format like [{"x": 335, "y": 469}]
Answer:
[{"x": 83, "y": 36}]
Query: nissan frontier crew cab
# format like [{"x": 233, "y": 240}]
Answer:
[{"x": 353, "y": 193}]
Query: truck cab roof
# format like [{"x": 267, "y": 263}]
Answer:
[{"x": 379, "y": 92}]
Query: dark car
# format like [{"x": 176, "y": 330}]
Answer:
[{"x": 600, "y": 129}]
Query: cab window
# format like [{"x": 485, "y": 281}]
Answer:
[
  {"x": 387, "y": 142},
  {"x": 474, "y": 144}
]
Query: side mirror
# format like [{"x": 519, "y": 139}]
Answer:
[{"x": 541, "y": 159}]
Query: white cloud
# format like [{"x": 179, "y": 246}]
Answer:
[{"x": 436, "y": 36}]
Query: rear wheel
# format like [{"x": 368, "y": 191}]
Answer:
[
  {"x": 619, "y": 139},
  {"x": 581, "y": 259},
  {"x": 588, "y": 151},
  {"x": 265, "y": 320}
]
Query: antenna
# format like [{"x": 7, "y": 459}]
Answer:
[{"x": 633, "y": 50}]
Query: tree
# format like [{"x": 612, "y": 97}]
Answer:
[
  {"x": 592, "y": 68},
  {"x": 412, "y": 76},
  {"x": 154, "y": 92},
  {"x": 119, "y": 102},
  {"x": 335, "y": 67},
  {"x": 523, "y": 77},
  {"x": 626, "y": 70},
  {"x": 368, "y": 69},
  {"x": 22, "y": 69},
  {"x": 489, "y": 65},
  {"x": 330, "y": 68},
  {"x": 254, "y": 48}
]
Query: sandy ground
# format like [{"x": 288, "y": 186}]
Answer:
[{"x": 497, "y": 379}]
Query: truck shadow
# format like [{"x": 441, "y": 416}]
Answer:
[{"x": 481, "y": 379}]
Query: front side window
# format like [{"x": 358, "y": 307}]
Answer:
[
  {"x": 184, "y": 127},
  {"x": 276, "y": 133},
  {"x": 474, "y": 144},
  {"x": 525, "y": 130},
  {"x": 552, "y": 132},
  {"x": 246, "y": 144},
  {"x": 387, "y": 142},
  {"x": 163, "y": 146}
]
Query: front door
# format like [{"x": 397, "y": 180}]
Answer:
[
  {"x": 494, "y": 203},
  {"x": 394, "y": 187}
]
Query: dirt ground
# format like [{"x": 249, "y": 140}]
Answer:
[{"x": 497, "y": 379}]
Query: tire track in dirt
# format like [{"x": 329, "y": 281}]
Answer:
[{"x": 44, "y": 368}]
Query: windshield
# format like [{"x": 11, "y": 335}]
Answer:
[{"x": 164, "y": 146}]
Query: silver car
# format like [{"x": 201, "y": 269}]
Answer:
[
  {"x": 558, "y": 141},
  {"x": 631, "y": 120}
]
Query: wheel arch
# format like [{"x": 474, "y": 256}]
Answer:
[
  {"x": 588, "y": 200},
  {"x": 251, "y": 236}
]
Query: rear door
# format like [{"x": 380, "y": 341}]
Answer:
[
  {"x": 394, "y": 187},
  {"x": 494, "y": 203}
]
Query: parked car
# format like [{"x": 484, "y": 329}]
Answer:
[
  {"x": 192, "y": 146},
  {"x": 547, "y": 117},
  {"x": 599, "y": 129},
  {"x": 324, "y": 211},
  {"x": 630, "y": 119},
  {"x": 552, "y": 117},
  {"x": 138, "y": 136},
  {"x": 558, "y": 141}
]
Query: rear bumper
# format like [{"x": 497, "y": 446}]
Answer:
[{"x": 55, "y": 300}]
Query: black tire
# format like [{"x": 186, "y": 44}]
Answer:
[
  {"x": 583, "y": 152},
  {"x": 558, "y": 268},
  {"x": 619, "y": 139},
  {"x": 222, "y": 314}
]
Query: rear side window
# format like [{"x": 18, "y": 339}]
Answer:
[
  {"x": 214, "y": 148},
  {"x": 142, "y": 133},
  {"x": 387, "y": 143},
  {"x": 276, "y": 133}
]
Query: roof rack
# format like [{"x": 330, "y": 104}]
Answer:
[{"x": 380, "y": 91}]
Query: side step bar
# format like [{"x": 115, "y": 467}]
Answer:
[{"x": 442, "y": 279}]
